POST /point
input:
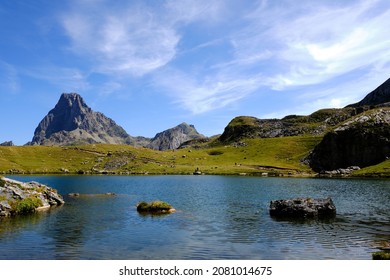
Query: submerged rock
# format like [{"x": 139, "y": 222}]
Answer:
[
  {"x": 303, "y": 208},
  {"x": 20, "y": 198},
  {"x": 155, "y": 207}
]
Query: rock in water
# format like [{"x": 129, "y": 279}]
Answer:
[
  {"x": 155, "y": 207},
  {"x": 20, "y": 198},
  {"x": 303, "y": 208}
]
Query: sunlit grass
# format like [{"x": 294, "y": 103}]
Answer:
[{"x": 253, "y": 156}]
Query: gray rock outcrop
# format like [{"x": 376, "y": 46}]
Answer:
[
  {"x": 362, "y": 141},
  {"x": 7, "y": 144},
  {"x": 303, "y": 208},
  {"x": 20, "y": 198},
  {"x": 172, "y": 138}
]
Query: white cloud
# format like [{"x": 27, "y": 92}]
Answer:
[
  {"x": 279, "y": 46},
  {"x": 132, "y": 40},
  {"x": 313, "y": 44}
]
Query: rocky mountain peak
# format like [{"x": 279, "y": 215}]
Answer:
[
  {"x": 71, "y": 121},
  {"x": 172, "y": 138}
]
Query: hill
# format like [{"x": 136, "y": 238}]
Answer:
[{"x": 275, "y": 156}]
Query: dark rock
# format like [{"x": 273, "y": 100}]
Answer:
[
  {"x": 7, "y": 143},
  {"x": 361, "y": 141},
  {"x": 73, "y": 194},
  {"x": 303, "y": 208},
  {"x": 172, "y": 138},
  {"x": 378, "y": 96}
]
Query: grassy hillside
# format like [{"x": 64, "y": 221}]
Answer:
[
  {"x": 251, "y": 156},
  {"x": 380, "y": 170}
]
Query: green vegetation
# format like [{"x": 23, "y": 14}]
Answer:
[
  {"x": 156, "y": 206},
  {"x": 27, "y": 205},
  {"x": 273, "y": 155},
  {"x": 380, "y": 170},
  {"x": 381, "y": 255}
]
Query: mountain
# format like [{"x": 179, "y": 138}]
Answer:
[
  {"x": 172, "y": 138},
  {"x": 379, "y": 96},
  {"x": 73, "y": 122}
]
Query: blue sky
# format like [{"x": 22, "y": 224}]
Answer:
[{"x": 151, "y": 65}]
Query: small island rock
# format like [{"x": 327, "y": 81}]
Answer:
[
  {"x": 155, "y": 207},
  {"x": 303, "y": 208},
  {"x": 20, "y": 198}
]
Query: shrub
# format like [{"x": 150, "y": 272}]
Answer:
[
  {"x": 381, "y": 255},
  {"x": 156, "y": 206},
  {"x": 215, "y": 153},
  {"x": 27, "y": 205}
]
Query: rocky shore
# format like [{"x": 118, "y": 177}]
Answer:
[{"x": 21, "y": 198}]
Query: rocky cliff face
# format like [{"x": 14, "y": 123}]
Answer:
[
  {"x": 172, "y": 138},
  {"x": 361, "y": 141},
  {"x": 73, "y": 122},
  {"x": 379, "y": 96}
]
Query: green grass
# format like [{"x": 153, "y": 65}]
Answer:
[
  {"x": 278, "y": 155},
  {"x": 379, "y": 170}
]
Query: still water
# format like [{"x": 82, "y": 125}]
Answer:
[{"x": 218, "y": 217}]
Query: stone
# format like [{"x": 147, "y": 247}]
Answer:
[
  {"x": 303, "y": 208},
  {"x": 19, "y": 197}
]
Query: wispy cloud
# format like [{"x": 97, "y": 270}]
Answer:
[
  {"x": 268, "y": 45},
  {"x": 129, "y": 41},
  {"x": 9, "y": 78},
  {"x": 68, "y": 79},
  {"x": 314, "y": 43},
  {"x": 205, "y": 94}
]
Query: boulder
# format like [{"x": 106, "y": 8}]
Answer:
[
  {"x": 303, "y": 208},
  {"x": 20, "y": 198}
]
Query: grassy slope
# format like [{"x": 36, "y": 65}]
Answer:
[
  {"x": 380, "y": 170},
  {"x": 279, "y": 155}
]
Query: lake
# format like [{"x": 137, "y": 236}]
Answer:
[{"x": 218, "y": 217}]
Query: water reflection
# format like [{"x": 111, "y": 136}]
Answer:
[{"x": 217, "y": 218}]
